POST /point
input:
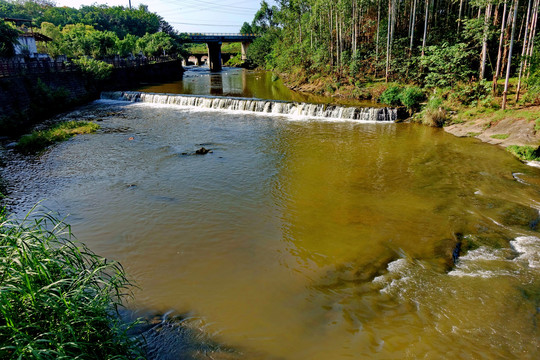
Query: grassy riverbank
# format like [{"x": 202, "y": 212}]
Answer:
[
  {"x": 40, "y": 139},
  {"x": 58, "y": 298}
]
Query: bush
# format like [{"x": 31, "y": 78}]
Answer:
[
  {"x": 48, "y": 100},
  {"x": 473, "y": 92},
  {"x": 411, "y": 97},
  {"x": 391, "y": 96},
  {"x": 94, "y": 69},
  {"x": 435, "y": 114},
  {"x": 57, "y": 298}
]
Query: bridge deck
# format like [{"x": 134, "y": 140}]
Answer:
[{"x": 206, "y": 38}]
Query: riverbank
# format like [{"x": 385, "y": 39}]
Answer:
[{"x": 478, "y": 115}]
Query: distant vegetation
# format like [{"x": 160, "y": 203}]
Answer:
[
  {"x": 97, "y": 31},
  {"x": 456, "y": 49}
]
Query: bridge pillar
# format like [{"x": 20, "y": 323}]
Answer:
[
  {"x": 245, "y": 46},
  {"x": 214, "y": 55}
]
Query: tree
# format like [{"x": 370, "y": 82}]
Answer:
[{"x": 8, "y": 39}]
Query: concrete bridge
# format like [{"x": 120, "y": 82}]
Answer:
[
  {"x": 214, "y": 41},
  {"x": 199, "y": 59}
]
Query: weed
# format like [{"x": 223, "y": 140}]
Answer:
[
  {"x": 57, "y": 298},
  {"x": 500, "y": 136},
  {"x": 39, "y": 140},
  {"x": 473, "y": 134}
]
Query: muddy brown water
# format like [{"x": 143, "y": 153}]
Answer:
[{"x": 308, "y": 239}]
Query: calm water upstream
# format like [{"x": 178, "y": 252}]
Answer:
[{"x": 309, "y": 239}]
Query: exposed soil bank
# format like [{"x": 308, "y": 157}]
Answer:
[{"x": 516, "y": 128}]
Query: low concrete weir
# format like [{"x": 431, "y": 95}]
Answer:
[{"x": 259, "y": 106}]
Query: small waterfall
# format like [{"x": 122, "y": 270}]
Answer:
[{"x": 258, "y": 106}]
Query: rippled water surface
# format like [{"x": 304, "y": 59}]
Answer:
[{"x": 302, "y": 239}]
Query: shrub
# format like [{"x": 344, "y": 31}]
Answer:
[
  {"x": 471, "y": 92},
  {"x": 435, "y": 114},
  {"x": 411, "y": 97},
  {"x": 391, "y": 96},
  {"x": 57, "y": 298},
  {"x": 95, "y": 69},
  {"x": 39, "y": 140},
  {"x": 525, "y": 153}
]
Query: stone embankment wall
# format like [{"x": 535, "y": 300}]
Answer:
[{"x": 27, "y": 99}]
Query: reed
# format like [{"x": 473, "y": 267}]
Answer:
[{"x": 58, "y": 300}]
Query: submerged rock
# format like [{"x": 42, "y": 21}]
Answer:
[{"x": 202, "y": 151}]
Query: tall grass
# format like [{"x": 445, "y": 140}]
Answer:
[
  {"x": 58, "y": 299},
  {"x": 39, "y": 140}
]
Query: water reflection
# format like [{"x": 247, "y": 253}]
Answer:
[{"x": 242, "y": 83}]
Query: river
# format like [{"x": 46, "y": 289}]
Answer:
[{"x": 302, "y": 238}]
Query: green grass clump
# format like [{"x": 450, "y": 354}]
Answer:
[
  {"x": 500, "y": 136},
  {"x": 525, "y": 153},
  {"x": 473, "y": 134},
  {"x": 39, "y": 140},
  {"x": 58, "y": 300}
]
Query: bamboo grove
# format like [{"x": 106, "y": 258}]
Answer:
[{"x": 429, "y": 42}]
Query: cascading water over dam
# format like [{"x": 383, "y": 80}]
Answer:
[{"x": 258, "y": 106}]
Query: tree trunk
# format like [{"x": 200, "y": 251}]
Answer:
[
  {"x": 507, "y": 80},
  {"x": 499, "y": 53},
  {"x": 523, "y": 50},
  {"x": 412, "y": 27},
  {"x": 425, "y": 28},
  {"x": 459, "y": 16},
  {"x": 388, "y": 40},
  {"x": 484, "y": 42}
]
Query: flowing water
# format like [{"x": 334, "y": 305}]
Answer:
[{"x": 306, "y": 238}]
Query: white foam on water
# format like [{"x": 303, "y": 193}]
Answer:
[
  {"x": 528, "y": 248},
  {"x": 483, "y": 253},
  {"x": 486, "y": 274},
  {"x": 533, "y": 163},
  {"x": 295, "y": 111}
]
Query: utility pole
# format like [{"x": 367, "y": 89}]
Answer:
[{"x": 129, "y": 4}]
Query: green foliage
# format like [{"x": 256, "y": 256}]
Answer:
[
  {"x": 447, "y": 64},
  {"x": 235, "y": 61},
  {"x": 411, "y": 97},
  {"x": 117, "y": 19},
  {"x": 525, "y": 153},
  {"x": 47, "y": 100},
  {"x": 260, "y": 52},
  {"x": 533, "y": 94},
  {"x": 467, "y": 93},
  {"x": 155, "y": 44},
  {"x": 58, "y": 299},
  {"x": 39, "y": 140},
  {"x": 500, "y": 136},
  {"x": 391, "y": 96},
  {"x": 8, "y": 38},
  {"x": 95, "y": 69}
]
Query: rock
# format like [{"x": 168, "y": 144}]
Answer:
[
  {"x": 202, "y": 151},
  {"x": 11, "y": 145}
]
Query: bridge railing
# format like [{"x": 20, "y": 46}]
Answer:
[{"x": 220, "y": 34}]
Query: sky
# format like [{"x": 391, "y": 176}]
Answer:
[{"x": 208, "y": 16}]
